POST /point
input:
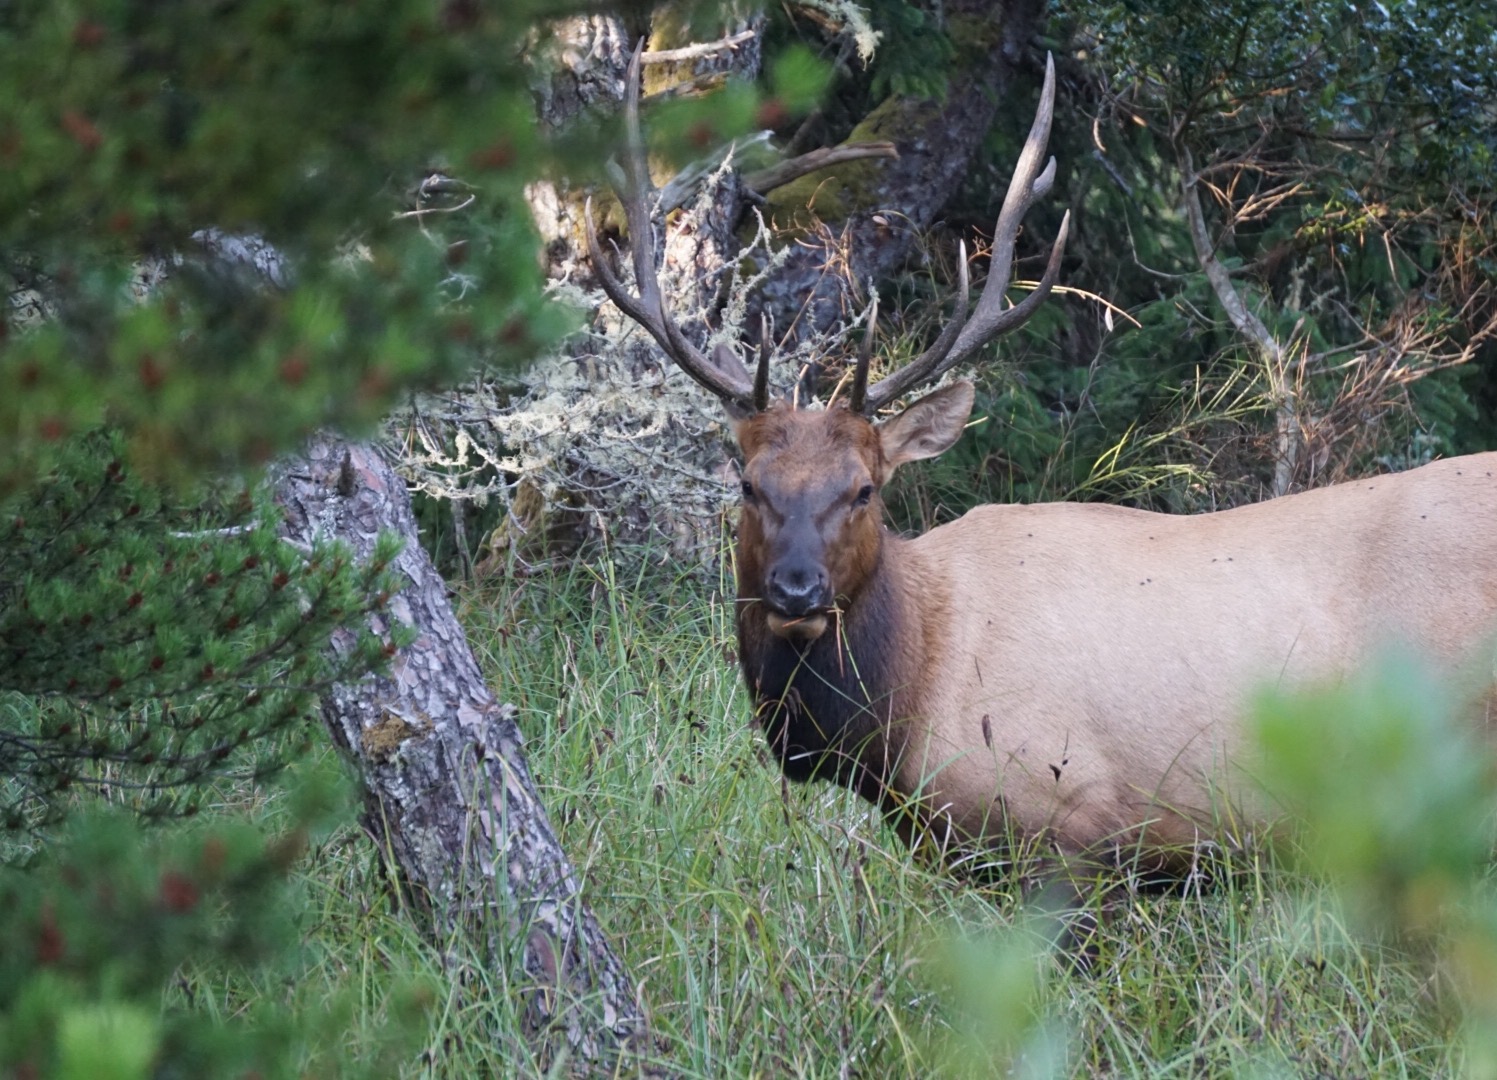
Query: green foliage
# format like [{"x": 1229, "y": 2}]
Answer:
[
  {"x": 1397, "y": 797},
  {"x": 110, "y": 914},
  {"x": 1448, "y": 410},
  {"x": 130, "y": 134},
  {"x": 1345, "y": 149},
  {"x": 146, "y": 646},
  {"x": 1348, "y": 153},
  {"x": 797, "y": 79},
  {"x": 1349, "y": 64},
  {"x": 915, "y": 50},
  {"x": 1394, "y": 804},
  {"x": 994, "y": 984}
]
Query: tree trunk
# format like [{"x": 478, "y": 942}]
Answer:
[
  {"x": 858, "y": 221},
  {"x": 448, "y": 796}
]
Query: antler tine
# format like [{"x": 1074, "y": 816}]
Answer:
[
  {"x": 989, "y": 318},
  {"x": 612, "y": 286},
  {"x": 636, "y": 199},
  {"x": 1033, "y": 176},
  {"x": 929, "y": 364},
  {"x": 1004, "y": 321},
  {"x": 761, "y": 375},
  {"x": 648, "y": 309},
  {"x": 857, "y": 400}
]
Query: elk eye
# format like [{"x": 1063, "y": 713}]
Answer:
[
  {"x": 865, "y": 493},
  {"x": 748, "y": 491}
]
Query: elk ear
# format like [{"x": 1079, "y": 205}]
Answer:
[{"x": 927, "y": 427}]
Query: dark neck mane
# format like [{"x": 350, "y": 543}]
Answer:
[{"x": 834, "y": 709}]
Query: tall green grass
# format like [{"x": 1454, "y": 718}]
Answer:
[{"x": 783, "y": 932}]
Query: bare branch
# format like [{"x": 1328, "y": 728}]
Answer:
[
  {"x": 693, "y": 52},
  {"x": 469, "y": 201},
  {"x": 1275, "y": 360},
  {"x": 782, "y": 173},
  {"x": 1247, "y": 323}
]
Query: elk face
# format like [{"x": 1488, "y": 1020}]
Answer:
[
  {"x": 809, "y": 534},
  {"x": 812, "y": 525}
]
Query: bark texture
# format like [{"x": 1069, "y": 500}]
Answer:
[
  {"x": 448, "y": 795},
  {"x": 577, "y": 67}
]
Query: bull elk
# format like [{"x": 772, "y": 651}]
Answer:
[{"x": 1071, "y": 672}]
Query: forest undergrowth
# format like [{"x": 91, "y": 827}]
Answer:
[{"x": 783, "y": 931}]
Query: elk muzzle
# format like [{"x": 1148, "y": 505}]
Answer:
[{"x": 797, "y": 597}]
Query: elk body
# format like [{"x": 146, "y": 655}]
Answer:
[
  {"x": 1075, "y": 672},
  {"x": 1072, "y": 672}
]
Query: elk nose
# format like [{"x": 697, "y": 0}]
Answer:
[{"x": 798, "y": 590}]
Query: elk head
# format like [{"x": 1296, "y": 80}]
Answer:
[{"x": 811, "y": 529}]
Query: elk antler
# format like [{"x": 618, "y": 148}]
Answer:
[
  {"x": 962, "y": 337},
  {"x": 648, "y": 309},
  {"x": 857, "y": 399}
]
